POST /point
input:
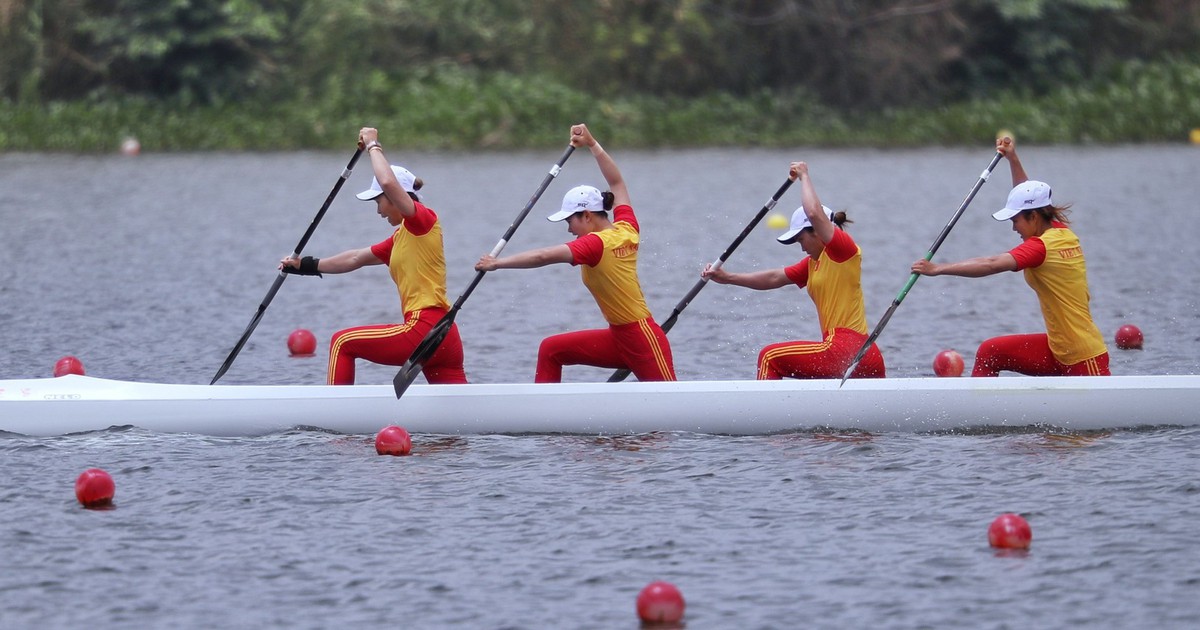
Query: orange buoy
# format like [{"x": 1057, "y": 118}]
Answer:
[
  {"x": 301, "y": 343},
  {"x": 68, "y": 365},
  {"x": 660, "y": 602},
  {"x": 1129, "y": 337},
  {"x": 1010, "y": 531},
  {"x": 393, "y": 440},
  {"x": 948, "y": 363},
  {"x": 94, "y": 488}
]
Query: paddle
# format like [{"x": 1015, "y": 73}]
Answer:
[
  {"x": 262, "y": 307},
  {"x": 437, "y": 334},
  {"x": 983, "y": 177},
  {"x": 624, "y": 373}
]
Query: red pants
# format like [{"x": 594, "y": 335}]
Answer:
[
  {"x": 820, "y": 359},
  {"x": 392, "y": 344},
  {"x": 640, "y": 347},
  {"x": 1030, "y": 355}
]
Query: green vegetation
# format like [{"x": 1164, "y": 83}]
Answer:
[{"x": 464, "y": 74}]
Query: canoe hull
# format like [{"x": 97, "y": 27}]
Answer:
[{"x": 72, "y": 404}]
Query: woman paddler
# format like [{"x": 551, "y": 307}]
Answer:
[
  {"x": 1054, "y": 266},
  {"x": 832, "y": 273},
  {"x": 417, "y": 264},
  {"x": 606, "y": 251}
]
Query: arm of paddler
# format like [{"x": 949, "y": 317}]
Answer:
[
  {"x": 344, "y": 262},
  {"x": 526, "y": 260},
  {"x": 382, "y": 169},
  {"x": 580, "y": 136},
  {"x": 822, "y": 226},
  {"x": 1008, "y": 148},
  {"x": 760, "y": 280},
  {"x": 970, "y": 268}
]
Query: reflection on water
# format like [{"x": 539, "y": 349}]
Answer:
[
  {"x": 1074, "y": 440},
  {"x": 628, "y": 442},
  {"x": 848, "y": 437},
  {"x": 430, "y": 445}
]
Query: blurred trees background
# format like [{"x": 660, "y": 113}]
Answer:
[
  {"x": 841, "y": 55},
  {"x": 848, "y": 53}
]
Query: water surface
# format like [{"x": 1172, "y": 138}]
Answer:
[{"x": 150, "y": 268}]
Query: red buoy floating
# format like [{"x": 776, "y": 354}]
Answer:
[
  {"x": 948, "y": 363},
  {"x": 68, "y": 365},
  {"x": 1010, "y": 531},
  {"x": 393, "y": 440},
  {"x": 94, "y": 488},
  {"x": 130, "y": 146},
  {"x": 302, "y": 343},
  {"x": 660, "y": 602},
  {"x": 1129, "y": 337}
]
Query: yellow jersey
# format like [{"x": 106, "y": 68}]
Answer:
[
  {"x": 608, "y": 265},
  {"x": 1056, "y": 270},
  {"x": 416, "y": 261},
  {"x": 834, "y": 282}
]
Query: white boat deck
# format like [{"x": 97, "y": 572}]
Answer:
[{"x": 72, "y": 404}]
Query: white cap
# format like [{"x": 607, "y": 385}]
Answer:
[
  {"x": 403, "y": 175},
  {"x": 579, "y": 199},
  {"x": 1027, "y": 195},
  {"x": 799, "y": 222}
]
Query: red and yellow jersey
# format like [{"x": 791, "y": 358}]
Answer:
[
  {"x": 834, "y": 283},
  {"x": 608, "y": 260},
  {"x": 1055, "y": 268},
  {"x": 417, "y": 261}
]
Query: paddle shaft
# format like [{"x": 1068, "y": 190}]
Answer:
[
  {"x": 624, "y": 373},
  {"x": 912, "y": 279},
  {"x": 437, "y": 334},
  {"x": 266, "y": 301}
]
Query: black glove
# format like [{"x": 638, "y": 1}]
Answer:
[{"x": 308, "y": 267}]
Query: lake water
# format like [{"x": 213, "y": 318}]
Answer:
[{"x": 149, "y": 269}]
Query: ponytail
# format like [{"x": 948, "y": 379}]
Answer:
[
  {"x": 417, "y": 184},
  {"x": 1054, "y": 213}
]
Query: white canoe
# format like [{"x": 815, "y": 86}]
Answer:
[{"x": 72, "y": 404}]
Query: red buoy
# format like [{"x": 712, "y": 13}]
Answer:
[
  {"x": 948, "y": 363},
  {"x": 68, "y": 365},
  {"x": 94, "y": 488},
  {"x": 1129, "y": 337},
  {"x": 660, "y": 602},
  {"x": 393, "y": 440},
  {"x": 1010, "y": 531},
  {"x": 301, "y": 343},
  {"x": 130, "y": 146}
]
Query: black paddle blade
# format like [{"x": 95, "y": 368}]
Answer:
[
  {"x": 619, "y": 375},
  {"x": 432, "y": 341},
  {"x": 405, "y": 376}
]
